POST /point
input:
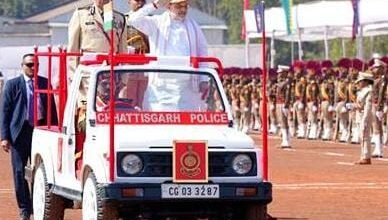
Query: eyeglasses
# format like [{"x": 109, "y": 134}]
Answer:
[{"x": 29, "y": 65}]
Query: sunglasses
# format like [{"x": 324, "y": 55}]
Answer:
[{"x": 29, "y": 65}]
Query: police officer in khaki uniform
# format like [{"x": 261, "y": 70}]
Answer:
[
  {"x": 86, "y": 32},
  {"x": 340, "y": 98},
  {"x": 299, "y": 107},
  {"x": 364, "y": 107},
  {"x": 354, "y": 115},
  {"x": 272, "y": 87},
  {"x": 327, "y": 88},
  {"x": 245, "y": 108},
  {"x": 312, "y": 96},
  {"x": 378, "y": 69},
  {"x": 283, "y": 95}
]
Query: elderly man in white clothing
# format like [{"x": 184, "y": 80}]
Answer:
[{"x": 172, "y": 33}]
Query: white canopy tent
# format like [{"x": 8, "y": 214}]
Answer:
[{"x": 322, "y": 20}]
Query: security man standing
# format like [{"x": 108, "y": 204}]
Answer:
[
  {"x": 378, "y": 70},
  {"x": 86, "y": 32},
  {"x": 137, "y": 40},
  {"x": 327, "y": 90},
  {"x": 312, "y": 96},
  {"x": 283, "y": 95},
  {"x": 340, "y": 98}
]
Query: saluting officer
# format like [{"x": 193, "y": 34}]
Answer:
[
  {"x": 364, "y": 107},
  {"x": 283, "y": 95},
  {"x": 86, "y": 32}
]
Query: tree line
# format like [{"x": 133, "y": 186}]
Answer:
[{"x": 231, "y": 12}]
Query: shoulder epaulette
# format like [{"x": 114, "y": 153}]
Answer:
[{"x": 87, "y": 7}]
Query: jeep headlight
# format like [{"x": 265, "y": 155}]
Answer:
[
  {"x": 131, "y": 164},
  {"x": 242, "y": 164}
]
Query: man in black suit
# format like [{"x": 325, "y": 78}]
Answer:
[{"x": 16, "y": 121}]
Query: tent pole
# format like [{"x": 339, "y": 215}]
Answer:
[
  {"x": 372, "y": 46},
  {"x": 300, "y": 50},
  {"x": 273, "y": 51},
  {"x": 343, "y": 47},
  {"x": 326, "y": 43},
  {"x": 246, "y": 51},
  {"x": 292, "y": 51},
  {"x": 360, "y": 47}
]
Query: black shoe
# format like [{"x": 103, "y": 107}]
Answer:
[{"x": 377, "y": 156}]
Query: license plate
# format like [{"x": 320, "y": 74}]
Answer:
[{"x": 187, "y": 191}]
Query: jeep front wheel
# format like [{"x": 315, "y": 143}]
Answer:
[
  {"x": 93, "y": 207},
  {"x": 46, "y": 204}
]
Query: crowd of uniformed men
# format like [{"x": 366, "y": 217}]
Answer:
[{"x": 312, "y": 100}]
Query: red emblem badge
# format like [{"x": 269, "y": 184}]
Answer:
[{"x": 190, "y": 161}]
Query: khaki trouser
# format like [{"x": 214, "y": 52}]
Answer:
[
  {"x": 365, "y": 126},
  {"x": 282, "y": 118},
  {"x": 300, "y": 113},
  {"x": 342, "y": 117},
  {"x": 377, "y": 125},
  {"x": 256, "y": 116},
  {"x": 354, "y": 126},
  {"x": 245, "y": 118},
  {"x": 312, "y": 120},
  {"x": 272, "y": 114},
  {"x": 327, "y": 120}
]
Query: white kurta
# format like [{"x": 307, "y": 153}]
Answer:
[{"x": 171, "y": 92}]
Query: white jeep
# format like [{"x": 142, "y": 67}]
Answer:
[{"x": 170, "y": 152}]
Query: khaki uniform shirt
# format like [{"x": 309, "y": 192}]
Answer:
[{"x": 86, "y": 32}]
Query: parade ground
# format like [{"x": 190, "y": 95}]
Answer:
[{"x": 313, "y": 180}]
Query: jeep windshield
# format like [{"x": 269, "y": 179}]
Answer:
[{"x": 162, "y": 91}]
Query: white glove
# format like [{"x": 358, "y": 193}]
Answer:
[
  {"x": 379, "y": 115},
  {"x": 285, "y": 111},
  {"x": 314, "y": 108},
  {"x": 246, "y": 109},
  {"x": 349, "y": 106},
  {"x": 331, "y": 108},
  {"x": 256, "y": 106},
  {"x": 271, "y": 107},
  {"x": 137, "y": 108},
  {"x": 343, "y": 109},
  {"x": 300, "y": 106}
]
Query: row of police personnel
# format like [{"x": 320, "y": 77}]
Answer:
[{"x": 313, "y": 100}]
